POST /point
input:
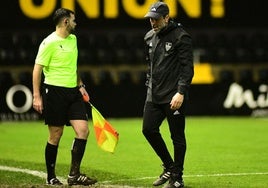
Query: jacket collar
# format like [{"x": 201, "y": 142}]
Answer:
[{"x": 170, "y": 26}]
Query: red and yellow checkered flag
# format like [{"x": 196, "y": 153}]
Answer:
[{"x": 107, "y": 137}]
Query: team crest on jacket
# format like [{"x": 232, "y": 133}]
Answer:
[{"x": 168, "y": 46}]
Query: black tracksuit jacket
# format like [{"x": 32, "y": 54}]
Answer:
[{"x": 169, "y": 54}]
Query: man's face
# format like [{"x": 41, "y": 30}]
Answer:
[
  {"x": 71, "y": 24},
  {"x": 158, "y": 24}
]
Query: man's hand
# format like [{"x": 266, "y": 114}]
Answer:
[
  {"x": 38, "y": 104},
  {"x": 176, "y": 101},
  {"x": 85, "y": 95}
]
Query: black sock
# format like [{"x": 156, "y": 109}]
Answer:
[
  {"x": 50, "y": 156},
  {"x": 77, "y": 152}
]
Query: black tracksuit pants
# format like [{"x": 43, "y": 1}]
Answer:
[{"x": 153, "y": 116}]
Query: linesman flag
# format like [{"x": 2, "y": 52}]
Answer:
[{"x": 106, "y": 136}]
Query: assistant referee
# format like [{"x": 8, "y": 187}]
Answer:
[{"x": 60, "y": 98}]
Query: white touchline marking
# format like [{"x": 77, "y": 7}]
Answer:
[
  {"x": 228, "y": 174},
  {"x": 39, "y": 174},
  {"x": 193, "y": 176},
  {"x": 44, "y": 175}
]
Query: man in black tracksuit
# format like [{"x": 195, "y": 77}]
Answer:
[{"x": 170, "y": 56}]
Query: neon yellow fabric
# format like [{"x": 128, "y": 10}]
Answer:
[{"x": 59, "y": 58}]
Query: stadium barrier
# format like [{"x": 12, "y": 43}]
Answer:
[{"x": 120, "y": 92}]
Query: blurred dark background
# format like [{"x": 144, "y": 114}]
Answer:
[{"x": 230, "y": 39}]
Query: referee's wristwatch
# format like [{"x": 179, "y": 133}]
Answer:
[{"x": 82, "y": 85}]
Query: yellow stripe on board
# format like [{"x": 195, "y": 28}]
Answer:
[{"x": 203, "y": 74}]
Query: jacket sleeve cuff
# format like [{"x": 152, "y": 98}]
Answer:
[{"x": 182, "y": 89}]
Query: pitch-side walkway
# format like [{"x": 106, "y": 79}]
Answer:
[{"x": 106, "y": 183}]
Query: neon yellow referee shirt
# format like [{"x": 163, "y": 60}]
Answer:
[{"x": 59, "y": 58}]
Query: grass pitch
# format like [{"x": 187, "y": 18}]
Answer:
[{"x": 221, "y": 152}]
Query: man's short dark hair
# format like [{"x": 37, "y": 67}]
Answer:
[{"x": 60, "y": 14}]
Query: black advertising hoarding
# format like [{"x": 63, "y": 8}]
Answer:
[
  {"x": 229, "y": 99},
  {"x": 205, "y": 99}
]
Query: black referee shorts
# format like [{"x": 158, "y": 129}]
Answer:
[{"x": 62, "y": 105}]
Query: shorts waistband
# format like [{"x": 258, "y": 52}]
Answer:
[{"x": 60, "y": 87}]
